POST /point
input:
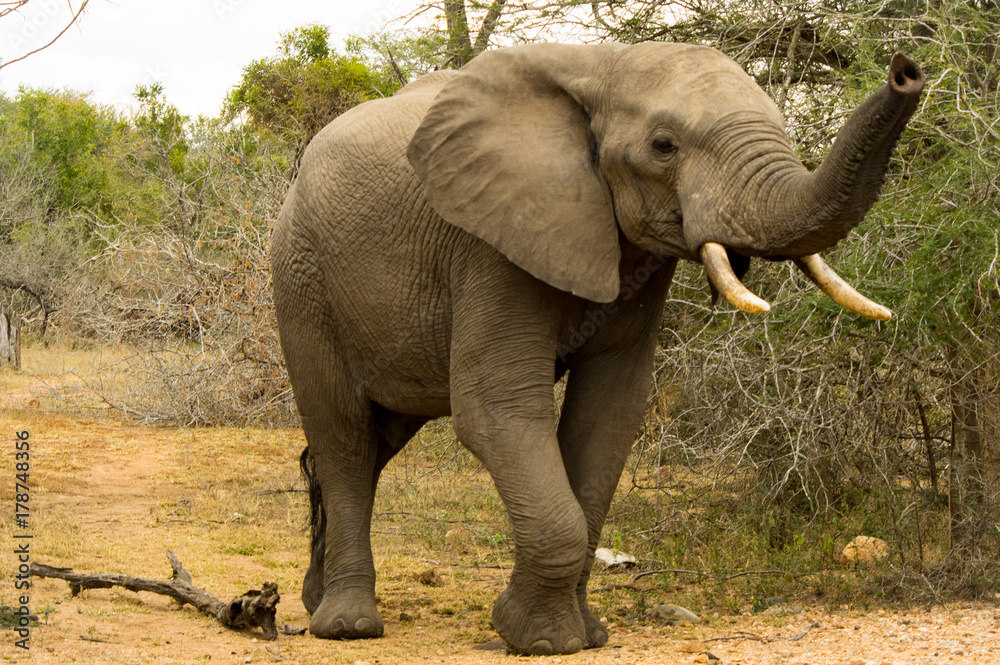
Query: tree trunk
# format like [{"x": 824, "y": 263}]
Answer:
[
  {"x": 460, "y": 47},
  {"x": 928, "y": 443},
  {"x": 10, "y": 339},
  {"x": 966, "y": 489},
  {"x": 489, "y": 25},
  {"x": 459, "y": 42}
]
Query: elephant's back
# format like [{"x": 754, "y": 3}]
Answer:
[{"x": 379, "y": 252}]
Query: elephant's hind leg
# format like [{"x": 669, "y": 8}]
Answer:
[
  {"x": 395, "y": 429},
  {"x": 345, "y": 449},
  {"x": 343, "y": 456},
  {"x": 343, "y": 439}
]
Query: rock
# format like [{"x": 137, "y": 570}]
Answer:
[
  {"x": 672, "y": 615},
  {"x": 864, "y": 550},
  {"x": 768, "y": 603},
  {"x": 611, "y": 559}
]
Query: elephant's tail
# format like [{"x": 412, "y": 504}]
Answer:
[{"x": 317, "y": 516}]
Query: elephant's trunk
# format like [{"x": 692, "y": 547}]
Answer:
[
  {"x": 812, "y": 211},
  {"x": 784, "y": 212}
]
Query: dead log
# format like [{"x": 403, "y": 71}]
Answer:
[
  {"x": 255, "y": 608},
  {"x": 10, "y": 339}
]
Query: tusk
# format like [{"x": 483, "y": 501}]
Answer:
[
  {"x": 720, "y": 272},
  {"x": 842, "y": 293}
]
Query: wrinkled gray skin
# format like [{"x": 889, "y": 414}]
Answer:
[{"x": 456, "y": 248}]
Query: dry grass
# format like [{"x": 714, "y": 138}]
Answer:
[{"x": 109, "y": 496}]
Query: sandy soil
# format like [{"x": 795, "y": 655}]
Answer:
[{"x": 112, "y": 498}]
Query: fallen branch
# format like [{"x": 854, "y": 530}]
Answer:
[
  {"x": 719, "y": 578},
  {"x": 740, "y": 635},
  {"x": 252, "y": 609},
  {"x": 743, "y": 635},
  {"x": 86, "y": 638},
  {"x": 805, "y": 632}
]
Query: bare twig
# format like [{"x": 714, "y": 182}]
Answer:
[
  {"x": 255, "y": 608},
  {"x": 79, "y": 12},
  {"x": 720, "y": 578}
]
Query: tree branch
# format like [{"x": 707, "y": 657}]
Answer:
[
  {"x": 77, "y": 15},
  {"x": 252, "y": 609},
  {"x": 489, "y": 25},
  {"x": 459, "y": 42}
]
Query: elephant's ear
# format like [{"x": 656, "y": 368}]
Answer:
[{"x": 506, "y": 152}]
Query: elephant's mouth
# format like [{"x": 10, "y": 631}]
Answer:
[{"x": 725, "y": 269}]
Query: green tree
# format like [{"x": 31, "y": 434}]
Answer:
[
  {"x": 304, "y": 86},
  {"x": 406, "y": 53}
]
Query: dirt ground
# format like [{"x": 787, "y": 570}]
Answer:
[{"x": 108, "y": 497}]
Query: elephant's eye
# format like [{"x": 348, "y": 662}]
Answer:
[{"x": 664, "y": 146}]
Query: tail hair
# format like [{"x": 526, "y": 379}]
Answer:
[{"x": 317, "y": 515}]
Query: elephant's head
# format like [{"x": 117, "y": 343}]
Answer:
[{"x": 547, "y": 151}]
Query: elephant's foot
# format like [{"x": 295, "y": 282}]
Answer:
[
  {"x": 537, "y": 626},
  {"x": 597, "y": 634},
  {"x": 346, "y": 615}
]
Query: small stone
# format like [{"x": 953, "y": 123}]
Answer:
[
  {"x": 864, "y": 550},
  {"x": 701, "y": 658},
  {"x": 604, "y": 621},
  {"x": 694, "y": 646},
  {"x": 672, "y": 615},
  {"x": 613, "y": 559}
]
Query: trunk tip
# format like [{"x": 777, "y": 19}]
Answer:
[{"x": 905, "y": 76}]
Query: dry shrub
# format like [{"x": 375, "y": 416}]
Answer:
[{"x": 200, "y": 318}]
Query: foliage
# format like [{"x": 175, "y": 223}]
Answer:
[
  {"x": 304, "y": 86},
  {"x": 829, "y": 413},
  {"x": 406, "y": 53},
  {"x": 785, "y": 433}
]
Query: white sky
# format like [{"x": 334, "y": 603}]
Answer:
[{"x": 196, "y": 48}]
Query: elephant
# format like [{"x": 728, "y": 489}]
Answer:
[{"x": 457, "y": 248}]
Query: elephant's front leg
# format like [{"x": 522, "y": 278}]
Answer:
[
  {"x": 503, "y": 411},
  {"x": 609, "y": 384}
]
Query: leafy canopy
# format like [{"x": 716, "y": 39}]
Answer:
[{"x": 304, "y": 86}]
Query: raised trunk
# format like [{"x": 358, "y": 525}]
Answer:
[
  {"x": 769, "y": 205},
  {"x": 772, "y": 207},
  {"x": 812, "y": 211}
]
